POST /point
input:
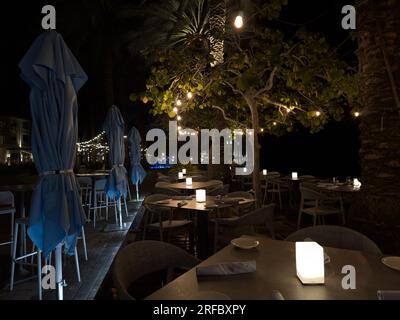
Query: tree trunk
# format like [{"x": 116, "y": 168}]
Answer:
[
  {"x": 376, "y": 210},
  {"x": 256, "y": 171}
]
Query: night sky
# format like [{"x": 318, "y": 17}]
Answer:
[{"x": 331, "y": 152}]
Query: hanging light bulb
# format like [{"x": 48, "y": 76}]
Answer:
[
  {"x": 178, "y": 103},
  {"x": 179, "y": 118},
  {"x": 357, "y": 114},
  {"x": 239, "y": 21},
  {"x": 189, "y": 95},
  {"x": 317, "y": 113}
]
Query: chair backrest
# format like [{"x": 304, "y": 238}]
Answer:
[
  {"x": 221, "y": 190},
  {"x": 154, "y": 198},
  {"x": 336, "y": 237},
  {"x": 263, "y": 215},
  {"x": 311, "y": 194},
  {"x": 240, "y": 194},
  {"x": 218, "y": 183},
  {"x": 100, "y": 184},
  {"x": 162, "y": 184},
  {"x": 145, "y": 257},
  {"x": 7, "y": 199}
]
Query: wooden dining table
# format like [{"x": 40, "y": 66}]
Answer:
[
  {"x": 276, "y": 270},
  {"x": 194, "y": 186},
  {"x": 202, "y": 211}
]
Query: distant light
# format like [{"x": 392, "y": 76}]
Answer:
[
  {"x": 125, "y": 137},
  {"x": 175, "y": 110},
  {"x": 179, "y": 128},
  {"x": 357, "y": 114},
  {"x": 262, "y": 130},
  {"x": 178, "y": 103},
  {"x": 317, "y": 113},
  {"x": 239, "y": 22},
  {"x": 179, "y": 118},
  {"x": 274, "y": 124},
  {"x": 189, "y": 95}
]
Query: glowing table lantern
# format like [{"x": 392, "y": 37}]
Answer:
[
  {"x": 295, "y": 175},
  {"x": 310, "y": 262},
  {"x": 189, "y": 181},
  {"x": 201, "y": 195},
  {"x": 356, "y": 183},
  {"x": 265, "y": 172},
  {"x": 180, "y": 175},
  {"x": 184, "y": 171}
]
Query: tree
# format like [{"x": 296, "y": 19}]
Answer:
[
  {"x": 268, "y": 81},
  {"x": 378, "y": 207}
]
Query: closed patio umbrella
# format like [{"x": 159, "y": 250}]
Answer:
[
  {"x": 55, "y": 77},
  {"x": 117, "y": 183},
  {"x": 137, "y": 173}
]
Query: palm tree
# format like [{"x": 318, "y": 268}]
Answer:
[
  {"x": 378, "y": 25},
  {"x": 217, "y": 27}
]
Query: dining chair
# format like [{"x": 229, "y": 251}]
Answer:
[
  {"x": 336, "y": 237},
  {"x": 7, "y": 207},
  {"x": 273, "y": 185},
  {"x": 219, "y": 191},
  {"x": 147, "y": 257},
  {"x": 161, "y": 218},
  {"x": 242, "y": 208},
  {"x": 227, "y": 229},
  {"x": 319, "y": 205}
]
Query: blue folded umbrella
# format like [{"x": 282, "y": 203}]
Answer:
[
  {"x": 117, "y": 183},
  {"x": 55, "y": 77},
  {"x": 137, "y": 173}
]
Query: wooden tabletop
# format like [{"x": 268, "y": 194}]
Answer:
[
  {"x": 211, "y": 204},
  {"x": 194, "y": 186},
  {"x": 337, "y": 187},
  {"x": 276, "y": 270}
]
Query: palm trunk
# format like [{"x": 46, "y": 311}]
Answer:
[
  {"x": 217, "y": 27},
  {"x": 377, "y": 208}
]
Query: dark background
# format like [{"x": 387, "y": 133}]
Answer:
[{"x": 332, "y": 152}]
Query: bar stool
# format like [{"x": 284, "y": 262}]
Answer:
[
  {"x": 98, "y": 200},
  {"x": 24, "y": 222},
  {"x": 7, "y": 206},
  {"x": 85, "y": 186}
]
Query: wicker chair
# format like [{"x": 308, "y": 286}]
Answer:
[
  {"x": 336, "y": 237},
  {"x": 146, "y": 257}
]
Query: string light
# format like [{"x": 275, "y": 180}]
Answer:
[
  {"x": 262, "y": 130},
  {"x": 357, "y": 114},
  {"x": 239, "y": 22},
  {"x": 178, "y": 103},
  {"x": 175, "y": 110},
  {"x": 179, "y": 118},
  {"x": 317, "y": 113},
  {"x": 189, "y": 95},
  {"x": 274, "y": 123}
]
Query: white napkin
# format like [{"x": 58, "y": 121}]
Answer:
[
  {"x": 226, "y": 269},
  {"x": 277, "y": 295},
  {"x": 388, "y": 294},
  {"x": 327, "y": 259}
]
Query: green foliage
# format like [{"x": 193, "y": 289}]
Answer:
[{"x": 289, "y": 82}]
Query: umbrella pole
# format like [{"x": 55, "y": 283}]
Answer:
[
  {"x": 137, "y": 192},
  {"x": 120, "y": 212},
  {"x": 59, "y": 279}
]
